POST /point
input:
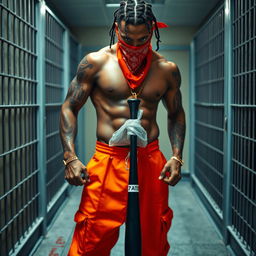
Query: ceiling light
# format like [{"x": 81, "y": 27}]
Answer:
[{"x": 115, "y": 3}]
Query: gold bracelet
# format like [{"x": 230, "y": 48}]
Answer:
[
  {"x": 178, "y": 159},
  {"x": 72, "y": 158}
]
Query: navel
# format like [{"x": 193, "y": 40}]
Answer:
[{"x": 110, "y": 90}]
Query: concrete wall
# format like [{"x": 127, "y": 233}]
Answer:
[
  {"x": 90, "y": 36},
  {"x": 175, "y": 47}
]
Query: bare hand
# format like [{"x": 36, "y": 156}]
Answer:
[
  {"x": 76, "y": 173},
  {"x": 171, "y": 173}
]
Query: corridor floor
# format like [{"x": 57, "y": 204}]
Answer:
[{"x": 192, "y": 232}]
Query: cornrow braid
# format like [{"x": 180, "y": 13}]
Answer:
[{"x": 134, "y": 12}]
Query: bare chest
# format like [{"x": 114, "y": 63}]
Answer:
[{"x": 112, "y": 84}]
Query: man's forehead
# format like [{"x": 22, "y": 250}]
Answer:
[{"x": 130, "y": 28}]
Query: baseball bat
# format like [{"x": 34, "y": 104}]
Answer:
[{"x": 132, "y": 231}]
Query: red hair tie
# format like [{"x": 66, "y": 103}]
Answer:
[{"x": 161, "y": 25}]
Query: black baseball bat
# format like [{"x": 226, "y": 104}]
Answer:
[{"x": 132, "y": 231}]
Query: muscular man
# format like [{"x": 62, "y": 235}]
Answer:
[{"x": 109, "y": 77}]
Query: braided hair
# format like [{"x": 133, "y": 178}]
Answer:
[{"x": 134, "y": 12}]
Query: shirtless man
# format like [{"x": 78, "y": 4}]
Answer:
[{"x": 109, "y": 78}]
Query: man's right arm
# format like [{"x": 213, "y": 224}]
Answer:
[{"x": 77, "y": 95}]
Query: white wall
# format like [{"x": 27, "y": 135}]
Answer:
[{"x": 172, "y": 38}]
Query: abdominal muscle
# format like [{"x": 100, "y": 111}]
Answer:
[
  {"x": 108, "y": 123},
  {"x": 112, "y": 109}
]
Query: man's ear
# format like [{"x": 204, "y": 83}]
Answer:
[
  {"x": 116, "y": 27},
  {"x": 153, "y": 25}
]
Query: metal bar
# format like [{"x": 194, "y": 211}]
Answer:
[
  {"x": 53, "y": 105},
  {"x": 208, "y": 21},
  {"x": 244, "y": 137},
  {"x": 8, "y": 152},
  {"x": 59, "y": 193},
  {"x": 243, "y": 111},
  {"x": 18, "y": 106},
  {"x": 51, "y": 41},
  {"x": 56, "y": 18},
  {"x": 242, "y": 245},
  {"x": 208, "y": 105},
  {"x": 66, "y": 59},
  {"x": 53, "y": 157},
  {"x": 243, "y": 166},
  {"x": 197, "y": 103},
  {"x": 17, "y": 46},
  {"x": 41, "y": 114},
  {"x": 209, "y": 145},
  {"x": 54, "y": 178},
  {"x": 228, "y": 115},
  {"x": 216, "y": 172},
  {"x": 55, "y": 75},
  {"x": 54, "y": 64},
  {"x": 243, "y": 105},
  {"x": 18, "y": 184},
  {"x": 52, "y": 134},
  {"x": 53, "y": 85},
  {"x": 209, "y": 126},
  {"x": 207, "y": 196},
  {"x": 18, "y": 17},
  {"x": 25, "y": 206},
  {"x": 211, "y": 59},
  {"x": 209, "y": 81},
  {"x": 192, "y": 106}
]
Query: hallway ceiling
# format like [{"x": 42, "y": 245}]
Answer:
[{"x": 94, "y": 13}]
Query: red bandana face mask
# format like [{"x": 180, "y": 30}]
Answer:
[{"x": 134, "y": 61}]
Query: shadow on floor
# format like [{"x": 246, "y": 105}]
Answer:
[{"x": 192, "y": 232}]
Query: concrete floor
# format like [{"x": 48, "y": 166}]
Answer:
[{"x": 192, "y": 232}]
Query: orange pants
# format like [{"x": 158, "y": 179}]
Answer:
[{"x": 104, "y": 200}]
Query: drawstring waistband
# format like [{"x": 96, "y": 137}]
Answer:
[{"x": 123, "y": 151}]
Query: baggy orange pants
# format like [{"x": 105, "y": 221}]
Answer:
[{"x": 104, "y": 200}]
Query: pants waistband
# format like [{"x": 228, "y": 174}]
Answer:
[{"x": 105, "y": 148}]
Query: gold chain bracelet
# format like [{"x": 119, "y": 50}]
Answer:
[
  {"x": 72, "y": 158},
  {"x": 178, "y": 159}
]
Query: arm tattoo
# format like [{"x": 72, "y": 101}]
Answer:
[
  {"x": 68, "y": 131},
  {"x": 76, "y": 97},
  {"x": 177, "y": 130},
  {"x": 177, "y": 105},
  {"x": 81, "y": 71},
  {"x": 176, "y": 122},
  {"x": 76, "y": 94}
]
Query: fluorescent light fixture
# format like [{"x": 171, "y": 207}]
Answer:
[
  {"x": 115, "y": 3},
  {"x": 112, "y": 5}
]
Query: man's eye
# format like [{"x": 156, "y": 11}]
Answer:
[
  {"x": 127, "y": 39},
  {"x": 143, "y": 39}
]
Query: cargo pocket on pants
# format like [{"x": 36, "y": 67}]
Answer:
[
  {"x": 82, "y": 233},
  {"x": 166, "y": 221}
]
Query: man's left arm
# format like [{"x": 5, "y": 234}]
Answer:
[{"x": 172, "y": 101}]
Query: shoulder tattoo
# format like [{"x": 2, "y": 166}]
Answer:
[{"x": 82, "y": 67}]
